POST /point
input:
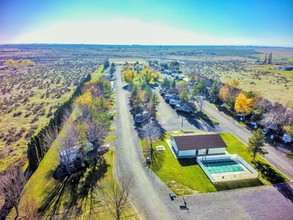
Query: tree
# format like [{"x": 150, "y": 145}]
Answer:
[
  {"x": 289, "y": 130},
  {"x": 106, "y": 64},
  {"x": 200, "y": 87},
  {"x": 243, "y": 104},
  {"x": 256, "y": 143},
  {"x": 154, "y": 102},
  {"x": 129, "y": 75},
  {"x": 184, "y": 96},
  {"x": 270, "y": 59},
  {"x": 214, "y": 89},
  {"x": 152, "y": 132},
  {"x": 11, "y": 187},
  {"x": 265, "y": 58},
  {"x": 118, "y": 197},
  {"x": 138, "y": 102},
  {"x": 224, "y": 93},
  {"x": 166, "y": 83},
  {"x": 275, "y": 118},
  {"x": 84, "y": 99},
  {"x": 173, "y": 85},
  {"x": 96, "y": 133},
  {"x": 67, "y": 144},
  {"x": 149, "y": 75}
]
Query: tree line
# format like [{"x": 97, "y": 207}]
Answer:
[
  {"x": 38, "y": 146},
  {"x": 273, "y": 116}
]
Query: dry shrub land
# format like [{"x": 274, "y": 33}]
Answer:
[{"x": 30, "y": 94}]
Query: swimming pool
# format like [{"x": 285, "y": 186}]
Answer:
[
  {"x": 228, "y": 167},
  {"x": 222, "y": 166}
]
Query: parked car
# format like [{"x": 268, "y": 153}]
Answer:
[
  {"x": 286, "y": 139},
  {"x": 265, "y": 131},
  {"x": 174, "y": 102},
  {"x": 254, "y": 124},
  {"x": 167, "y": 97},
  {"x": 180, "y": 77},
  {"x": 183, "y": 107},
  {"x": 141, "y": 117}
]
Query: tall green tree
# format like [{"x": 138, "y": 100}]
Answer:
[
  {"x": 184, "y": 96},
  {"x": 256, "y": 143},
  {"x": 214, "y": 89}
]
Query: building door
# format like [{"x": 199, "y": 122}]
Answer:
[
  {"x": 196, "y": 152},
  {"x": 207, "y": 151}
]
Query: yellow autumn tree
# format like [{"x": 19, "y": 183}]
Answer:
[
  {"x": 243, "y": 104},
  {"x": 129, "y": 75},
  {"x": 85, "y": 99},
  {"x": 224, "y": 93},
  {"x": 149, "y": 75}
]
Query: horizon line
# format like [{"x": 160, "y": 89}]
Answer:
[{"x": 163, "y": 45}]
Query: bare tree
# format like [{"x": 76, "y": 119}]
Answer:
[
  {"x": 275, "y": 118},
  {"x": 118, "y": 197},
  {"x": 96, "y": 133},
  {"x": 11, "y": 187},
  {"x": 152, "y": 132},
  {"x": 68, "y": 144}
]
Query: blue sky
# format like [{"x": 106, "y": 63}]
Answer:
[{"x": 197, "y": 22}]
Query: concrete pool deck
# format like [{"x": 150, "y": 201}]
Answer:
[{"x": 248, "y": 171}]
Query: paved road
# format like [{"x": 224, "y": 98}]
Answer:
[
  {"x": 275, "y": 156},
  {"x": 149, "y": 192}
]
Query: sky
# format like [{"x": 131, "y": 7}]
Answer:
[{"x": 150, "y": 22}]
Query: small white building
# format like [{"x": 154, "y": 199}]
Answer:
[{"x": 195, "y": 145}]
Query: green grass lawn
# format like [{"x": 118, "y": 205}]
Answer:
[
  {"x": 241, "y": 123},
  {"x": 185, "y": 176},
  {"x": 75, "y": 195}
]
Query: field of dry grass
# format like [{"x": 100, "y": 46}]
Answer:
[
  {"x": 29, "y": 96},
  {"x": 275, "y": 85}
]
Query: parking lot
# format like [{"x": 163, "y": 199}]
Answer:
[{"x": 171, "y": 120}]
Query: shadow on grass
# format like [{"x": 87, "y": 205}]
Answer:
[
  {"x": 286, "y": 190},
  {"x": 77, "y": 190},
  {"x": 187, "y": 162},
  {"x": 268, "y": 172},
  {"x": 236, "y": 184},
  {"x": 158, "y": 159}
]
